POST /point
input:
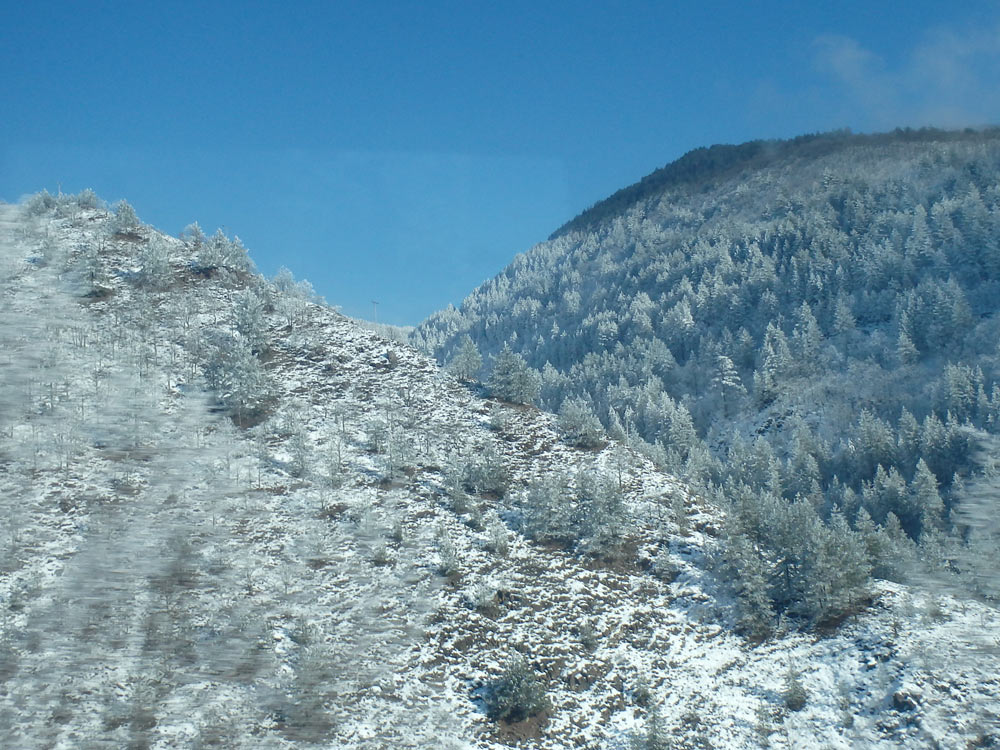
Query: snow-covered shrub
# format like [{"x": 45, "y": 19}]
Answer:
[
  {"x": 516, "y": 694},
  {"x": 248, "y": 317},
  {"x": 588, "y": 635},
  {"x": 500, "y": 420},
  {"x": 236, "y": 375},
  {"x": 642, "y": 693},
  {"x": 216, "y": 253},
  {"x": 154, "y": 263},
  {"x": 795, "y": 694},
  {"x": 125, "y": 221},
  {"x": 381, "y": 554},
  {"x": 664, "y": 566},
  {"x": 481, "y": 595},
  {"x": 40, "y": 203},
  {"x": 448, "y": 563},
  {"x": 486, "y": 473},
  {"x": 497, "y": 536},
  {"x": 398, "y": 532},
  {"x": 474, "y": 520},
  {"x": 87, "y": 198}
]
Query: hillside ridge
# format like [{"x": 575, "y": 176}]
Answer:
[{"x": 706, "y": 165}]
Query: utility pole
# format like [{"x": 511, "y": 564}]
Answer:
[{"x": 375, "y": 306}]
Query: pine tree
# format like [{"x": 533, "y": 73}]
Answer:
[
  {"x": 248, "y": 318},
  {"x": 547, "y": 511},
  {"x": 579, "y": 425},
  {"x": 919, "y": 249},
  {"x": 926, "y": 506},
  {"x": 906, "y": 352},
  {"x": 959, "y": 389},
  {"x": 193, "y": 235},
  {"x": 885, "y": 494},
  {"x": 599, "y": 517},
  {"x": 154, "y": 264},
  {"x": 794, "y": 537},
  {"x": 839, "y": 570},
  {"x": 908, "y": 438},
  {"x": 726, "y": 382},
  {"x": 878, "y": 547},
  {"x": 516, "y": 694},
  {"x": 679, "y": 322},
  {"x": 807, "y": 339},
  {"x": 844, "y": 323},
  {"x": 512, "y": 380},
  {"x": 934, "y": 446},
  {"x": 125, "y": 220},
  {"x": 467, "y": 362},
  {"x": 873, "y": 444},
  {"x": 752, "y": 574},
  {"x": 656, "y": 735}
]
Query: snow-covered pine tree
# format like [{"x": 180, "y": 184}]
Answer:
[
  {"x": 467, "y": 362},
  {"x": 512, "y": 380},
  {"x": 726, "y": 382},
  {"x": 579, "y": 424}
]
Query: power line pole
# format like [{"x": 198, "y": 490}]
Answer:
[{"x": 375, "y": 306}]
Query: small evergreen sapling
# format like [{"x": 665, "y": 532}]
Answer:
[
  {"x": 448, "y": 562},
  {"x": 656, "y": 736},
  {"x": 516, "y": 694},
  {"x": 795, "y": 694},
  {"x": 497, "y": 537}
]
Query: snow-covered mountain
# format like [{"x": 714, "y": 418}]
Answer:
[
  {"x": 807, "y": 330},
  {"x": 233, "y": 518}
]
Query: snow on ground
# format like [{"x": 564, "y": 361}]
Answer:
[{"x": 169, "y": 579}]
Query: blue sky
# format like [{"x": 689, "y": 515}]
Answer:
[{"x": 405, "y": 152}]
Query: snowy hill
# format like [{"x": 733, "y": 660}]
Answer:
[
  {"x": 805, "y": 330},
  {"x": 233, "y": 518}
]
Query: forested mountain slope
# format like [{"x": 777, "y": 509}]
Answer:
[
  {"x": 232, "y": 518},
  {"x": 805, "y": 328}
]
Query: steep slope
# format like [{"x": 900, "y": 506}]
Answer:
[{"x": 233, "y": 518}]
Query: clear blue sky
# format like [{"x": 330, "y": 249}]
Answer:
[{"x": 405, "y": 151}]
